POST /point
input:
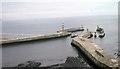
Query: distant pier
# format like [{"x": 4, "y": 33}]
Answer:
[
  {"x": 87, "y": 35},
  {"x": 73, "y": 29},
  {"x": 95, "y": 53}
]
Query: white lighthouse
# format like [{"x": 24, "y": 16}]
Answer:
[{"x": 62, "y": 27}]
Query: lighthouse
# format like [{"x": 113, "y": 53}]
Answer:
[{"x": 62, "y": 27}]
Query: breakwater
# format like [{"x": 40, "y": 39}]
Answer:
[
  {"x": 38, "y": 37},
  {"x": 73, "y": 29},
  {"x": 95, "y": 53}
]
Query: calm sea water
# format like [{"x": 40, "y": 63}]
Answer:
[{"x": 55, "y": 50}]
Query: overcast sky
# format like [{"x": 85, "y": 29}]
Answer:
[{"x": 27, "y": 9}]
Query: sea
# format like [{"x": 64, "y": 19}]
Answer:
[{"x": 54, "y": 51}]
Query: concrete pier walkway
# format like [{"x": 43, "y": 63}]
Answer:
[
  {"x": 95, "y": 53},
  {"x": 38, "y": 37},
  {"x": 87, "y": 35},
  {"x": 73, "y": 29}
]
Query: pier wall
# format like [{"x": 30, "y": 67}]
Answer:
[
  {"x": 99, "y": 58},
  {"x": 73, "y": 29},
  {"x": 32, "y": 38}
]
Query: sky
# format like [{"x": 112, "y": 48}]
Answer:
[{"x": 28, "y": 9}]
